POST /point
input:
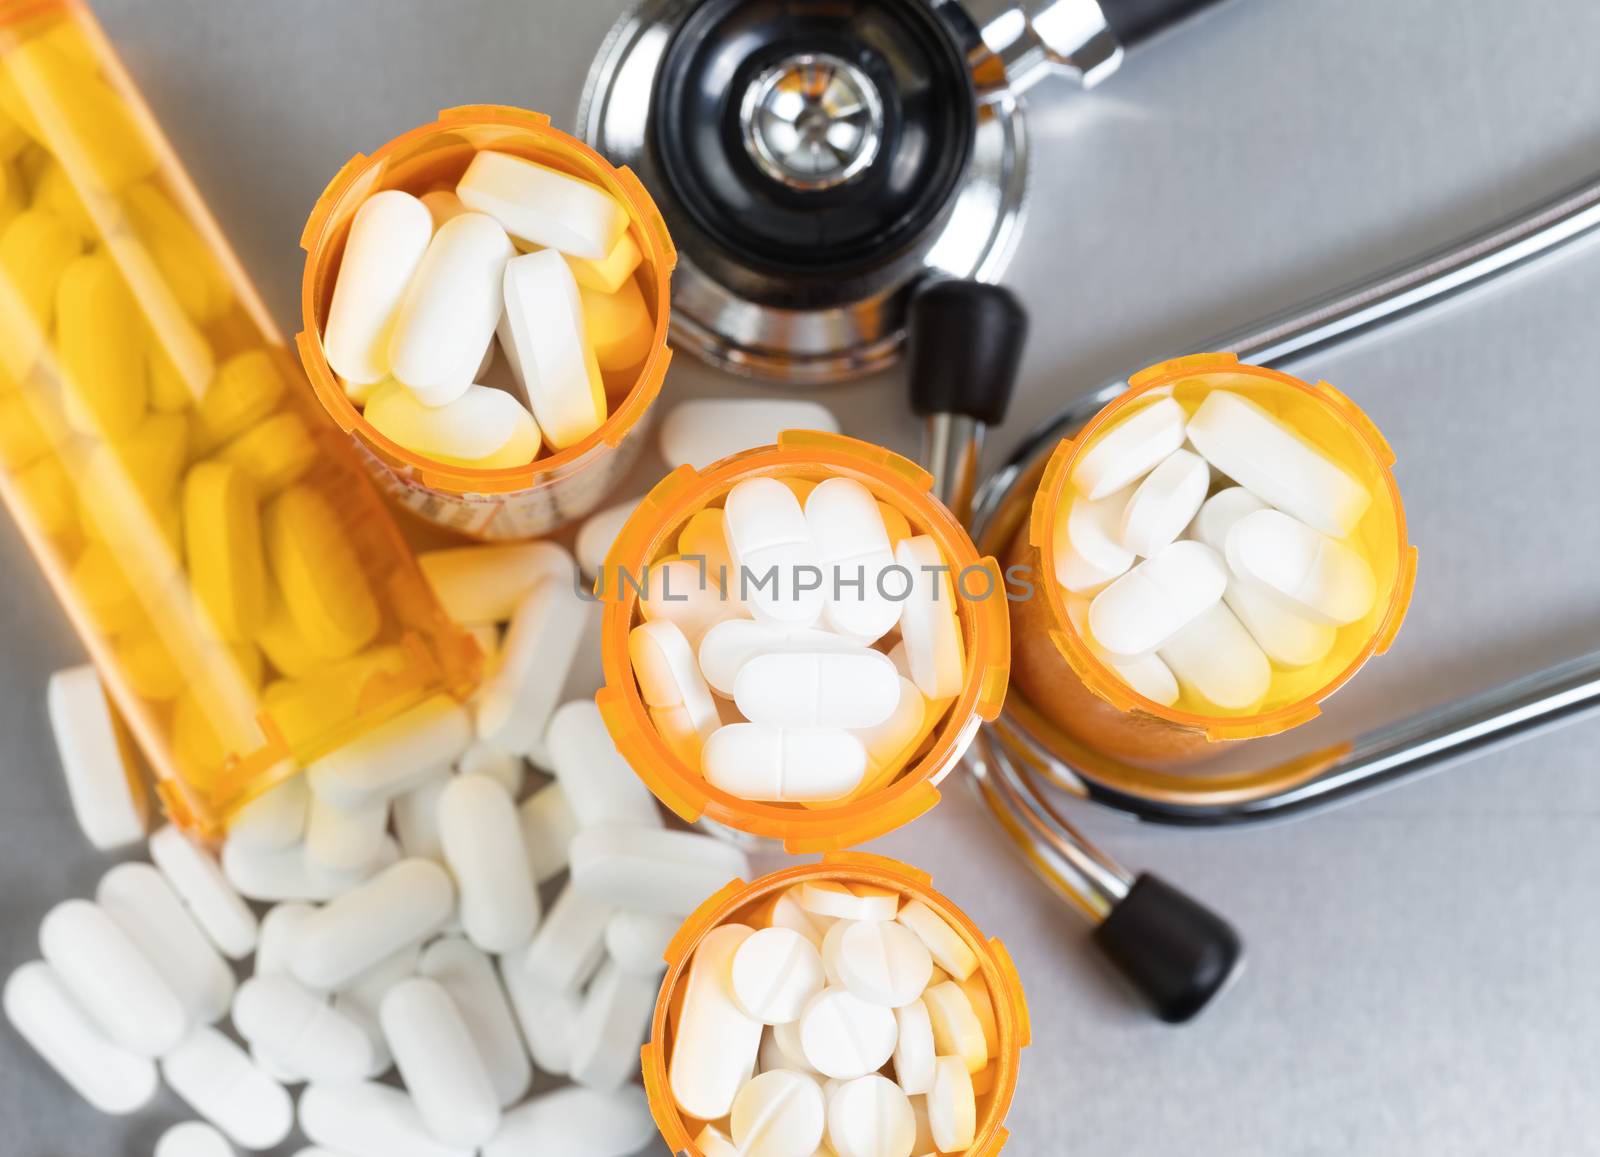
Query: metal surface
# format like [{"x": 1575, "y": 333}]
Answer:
[
  {"x": 952, "y": 448},
  {"x": 1032, "y": 39},
  {"x": 812, "y": 121}
]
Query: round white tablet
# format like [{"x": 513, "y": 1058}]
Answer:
[
  {"x": 952, "y": 1106},
  {"x": 871, "y": 1117},
  {"x": 845, "y": 1037},
  {"x": 882, "y": 962},
  {"x": 779, "y": 1114},
  {"x": 775, "y": 972},
  {"x": 950, "y": 952},
  {"x": 847, "y": 902},
  {"x": 914, "y": 1050},
  {"x": 957, "y": 1031}
]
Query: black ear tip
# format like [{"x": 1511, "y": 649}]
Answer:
[
  {"x": 966, "y": 342},
  {"x": 1178, "y": 953}
]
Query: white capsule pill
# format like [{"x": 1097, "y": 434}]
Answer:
[
  {"x": 576, "y": 1120},
  {"x": 611, "y": 1025},
  {"x": 914, "y": 1049},
  {"x": 952, "y": 1106},
  {"x": 107, "y": 798},
  {"x": 545, "y": 1013},
  {"x": 279, "y": 927},
  {"x": 598, "y": 532},
  {"x": 505, "y": 768},
  {"x": 707, "y": 430},
  {"x": 484, "y": 428},
  {"x": 103, "y": 1073},
  {"x": 775, "y": 974},
  {"x": 193, "y": 1139},
  {"x": 729, "y": 645},
  {"x": 1146, "y": 674},
  {"x": 652, "y": 869},
  {"x": 712, "y": 1142},
  {"x": 957, "y": 1032},
  {"x": 1086, "y": 539},
  {"x": 853, "y": 549},
  {"x": 1312, "y": 574},
  {"x": 484, "y": 584},
  {"x": 1131, "y": 449},
  {"x": 757, "y": 762},
  {"x": 468, "y": 976},
  {"x": 543, "y": 206},
  {"x": 388, "y": 237},
  {"x": 839, "y": 901},
  {"x": 397, "y": 907},
  {"x": 544, "y": 338},
  {"x": 1156, "y": 599},
  {"x": 448, "y": 315},
  {"x": 482, "y": 841},
  {"x": 211, "y": 900},
  {"x": 218, "y": 1080},
  {"x": 871, "y": 1117},
  {"x": 889, "y": 743},
  {"x": 440, "y": 1064},
  {"x": 395, "y": 757},
  {"x": 779, "y": 1114},
  {"x": 1268, "y": 458},
  {"x": 805, "y": 690},
  {"x": 948, "y": 948},
  {"x": 547, "y": 629},
  {"x": 1216, "y": 661},
  {"x": 345, "y": 840},
  {"x": 570, "y": 942},
  {"x": 716, "y": 1043},
  {"x": 1165, "y": 502},
  {"x": 881, "y": 961},
  {"x": 599, "y": 785},
  {"x": 273, "y": 875},
  {"x": 778, "y": 573},
  {"x": 274, "y": 819},
  {"x": 844, "y": 1036},
  {"x": 664, "y": 664},
  {"x": 548, "y": 826},
  {"x": 787, "y": 912},
  {"x": 143, "y": 905},
  {"x": 686, "y": 593},
  {"x": 369, "y": 1120},
  {"x": 298, "y": 1031},
  {"x": 930, "y": 624},
  {"x": 638, "y": 941}
]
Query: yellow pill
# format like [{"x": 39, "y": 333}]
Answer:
[
  {"x": 31, "y": 425},
  {"x": 222, "y": 534},
  {"x": 12, "y": 139},
  {"x": 274, "y": 453},
  {"x": 618, "y": 325},
  {"x": 54, "y": 193},
  {"x": 35, "y": 250},
  {"x": 705, "y": 536},
  {"x": 13, "y": 192},
  {"x": 895, "y": 523},
  {"x": 310, "y": 710},
  {"x": 103, "y": 590},
  {"x": 318, "y": 573},
  {"x": 607, "y": 274},
  {"x": 146, "y": 533},
  {"x": 147, "y": 665},
  {"x": 247, "y": 663},
  {"x": 196, "y": 747},
  {"x": 169, "y": 392},
  {"x": 285, "y": 647},
  {"x": 46, "y": 493},
  {"x": 246, "y": 389},
  {"x": 153, "y": 456},
  {"x": 100, "y": 344},
  {"x": 182, "y": 256}
]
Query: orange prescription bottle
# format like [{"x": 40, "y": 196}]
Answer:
[
  {"x": 803, "y": 458},
  {"x": 514, "y": 502},
  {"x": 744, "y": 903},
  {"x": 1061, "y": 683},
  {"x": 248, "y": 600}
]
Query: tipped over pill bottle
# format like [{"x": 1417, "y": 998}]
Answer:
[
  {"x": 247, "y": 598},
  {"x": 1219, "y": 550},
  {"x": 649, "y": 572},
  {"x": 704, "y": 1048},
  {"x": 482, "y": 152}
]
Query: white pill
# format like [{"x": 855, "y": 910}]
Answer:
[
  {"x": 853, "y": 550},
  {"x": 1132, "y": 449},
  {"x": 272, "y": 875},
  {"x": 930, "y": 624},
  {"x": 394, "y": 757},
  {"x": 787, "y": 912},
  {"x": 1086, "y": 539},
  {"x": 483, "y": 848},
  {"x": 776, "y": 972},
  {"x": 848, "y": 901},
  {"x": 1276, "y": 464},
  {"x": 1146, "y": 674},
  {"x": 599, "y": 531},
  {"x": 611, "y": 1025},
  {"x": 925, "y": 1145},
  {"x": 225, "y": 918},
  {"x": 778, "y": 573},
  {"x": 756, "y": 762},
  {"x": 388, "y": 237},
  {"x": 914, "y": 1050},
  {"x": 664, "y": 664},
  {"x": 652, "y": 869},
  {"x": 143, "y": 905},
  {"x": 369, "y": 1120},
  {"x": 600, "y": 786},
  {"x": 506, "y": 768},
  {"x": 638, "y": 940},
  {"x": 948, "y": 948},
  {"x": 880, "y": 961},
  {"x": 103, "y": 1073},
  {"x": 416, "y": 820},
  {"x": 716, "y": 1043},
  {"x": 957, "y": 1032},
  {"x": 468, "y": 976},
  {"x": 548, "y": 826},
  {"x": 547, "y": 629},
  {"x": 218, "y": 1080},
  {"x": 342, "y": 839},
  {"x": 707, "y": 430},
  {"x": 448, "y": 315},
  {"x": 545, "y": 1013},
  {"x": 571, "y": 942},
  {"x": 780, "y": 1049},
  {"x": 274, "y": 819},
  {"x": 1156, "y": 599},
  {"x": 577, "y": 1120},
  {"x": 397, "y": 907},
  {"x": 439, "y": 1063},
  {"x": 298, "y": 1031},
  {"x": 108, "y": 800},
  {"x": 729, "y": 645},
  {"x": 983, "y": 1005},
  {"x": 543, "y": 335},
  {"x": 1215, "y": 660},
  {"x": 804, "y": 690},
  {"x": 484, "y": 584},
  {"x": 279, "y": 927},
  {"x": 1165, "y": 502},
  {"x": 712, "y": 1142},
  {"x": 871, "y": 1117},
  {"x": 952, "y": 1106},
  {"x": 193, "y": 1139},
  {"x": 779, "y": 1114},
  {"x": 541, "y": 205},
  {"x": 844, "y": 1036},
  {"x": 1312, "y": 574},
  {"x": 478, "y": 426},
  {"x": 684, "y": 592}
]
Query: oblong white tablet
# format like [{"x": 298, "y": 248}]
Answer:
[
  {"x": 844, "y": 1036},
  {"x": 949, "y": 951},
  {"x": 576, "y": 1120},
  {"x": 853, "y": 549},
  {"x": 1146, "y": 674},
  {"x": 889, "y": 741},
  {"x": 730, "y": 644},
  {"x": 274, "y": 819},
  {"x": 141, "y": 902},
  {"x": 481, "y": 834},
  {"x": 638, "y": 940},
  {"x": 914, "y": 1050},
  {"x": 1215, "y": 659},
  {"x": 686, "y": 593},
  {"x": 930, "y": 623},
  {"x": 275, "y": 875},
  {"x": 570, "y": 942},
  {"x": 871, "y": 1117},
  {"x": 598, "y": 784},
  {"x": 957, "y": 1032},
  {"x": 547, "y": 631},
  {"x": 838, "y": 901},
  {"x": 545, "y": 341},
  {"x": 211, "y": 900},
  {"x": 388, "y": 237},
  {"x": 652, "y": 869},
  {"x": 481, "y": 427},
  {"x": 1087, "y": 541},
  {"x": 468, "y": 976},
  {"x": 664, "y": 663},
  {"x": 218, "y": 1080},
  {"x": 827, "y": 689},
  {"x": 779, "y": 1114},
  {"x": 611, "y": 1025},
  {"x": 548, "y": 826},
  {"x": 1131, "y": 449},
  {"x": 706, "y": 430},
  {"x": 541, "y": 205},
  {"x": 345, "y": 840},
  {"x": 395, "y": 908},
  {"x": 1316, "y": 576},
  {"x": 369, "y": 1120},
  {"x": 107, "y": 798},
  {"x": 716, "y": 1043},
  {"x": 779, "y": 577},
  {"x": 395, "y": 757},
  {"x": 1164, "y": 503},
  {"x": 296, "y": 1029},
  {"x": 440, "y": 1064},
  {"x": 1156, "y": 599},
  {"x": 775, "y": 973},
  {"x": 193, "y": 1139},
  {"x": 545, "y": 1013},
  {"x": 756, "y": 762}
]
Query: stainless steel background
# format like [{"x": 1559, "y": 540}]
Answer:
[{"x": 1422, "y": 965}]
